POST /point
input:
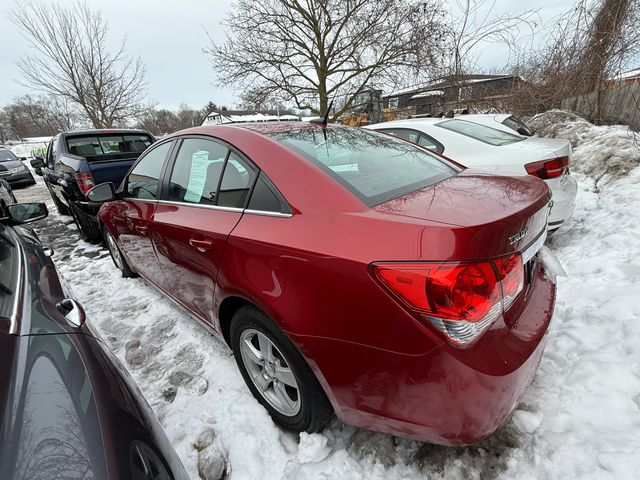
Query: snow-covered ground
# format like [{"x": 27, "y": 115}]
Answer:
[{"x": 579, "y": 419}]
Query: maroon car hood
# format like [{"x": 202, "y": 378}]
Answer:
[{"x": 504, "y": 212}]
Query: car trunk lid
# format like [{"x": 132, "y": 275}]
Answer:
[{"x": 505, "y": 214}]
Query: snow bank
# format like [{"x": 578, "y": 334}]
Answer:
[{"x": 602, "y": 152}]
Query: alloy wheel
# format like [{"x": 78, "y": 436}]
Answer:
[
  {"x": 270, "y": 372},
  {"x": 113, "y": 249}
]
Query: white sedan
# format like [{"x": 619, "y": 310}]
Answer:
[{"x": 490, "y": 149}]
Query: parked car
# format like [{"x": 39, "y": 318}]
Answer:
[
  {"x": 13, "y": 171},
  {"x": 349, "y": 272},
  {"x": 6, "y": 193},
  {"x": 76, "y": 161},
  {"x": 496, "y": 151},
  {"x": 68, "y": 409}
]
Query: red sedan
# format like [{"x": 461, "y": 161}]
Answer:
[{"x": 349, "y": 271}]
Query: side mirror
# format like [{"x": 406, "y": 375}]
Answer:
[
  {"x": 37, "y": 162},
  {"x": 524, "y": 131},
  {"x": 105, "y": 192},
  {"x": 23, "y": 158},
  {"x": 19, "y": 213}
]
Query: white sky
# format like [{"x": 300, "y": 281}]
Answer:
[{"x": 170, "y": 36}]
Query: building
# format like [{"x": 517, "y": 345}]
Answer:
[
  {"x": 249, "y": 116},
  {"x": 625, "y": 78},
  {"x": 447, "y": 93}
]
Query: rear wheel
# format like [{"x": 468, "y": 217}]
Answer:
[
  {"x": 89, "y": 230},
  {"x": 276, "y": 373},
  {"x": 60, "y": 207},
  {"x": 116, "y": 255}
]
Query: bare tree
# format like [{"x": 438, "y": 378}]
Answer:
[
  {"x": 311, "y": 51},
  {"x": 587, "y": 45},
  {"x": 70, "y": 60},
  {"x": 474, "y": 24},
  {"x": 30, "y": 116}
]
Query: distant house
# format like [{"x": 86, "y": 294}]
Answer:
[
  {"x": 434, "y": 96},
  {"x": 249, "y": 116},
  {"x": 626, "y": 78}
]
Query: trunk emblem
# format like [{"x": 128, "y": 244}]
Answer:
[{"x": 518, "y": 236}]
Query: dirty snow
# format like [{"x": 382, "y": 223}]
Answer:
[{"x": 579, "y": 419}]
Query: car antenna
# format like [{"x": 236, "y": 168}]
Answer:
[{"x": 325, "y": 119}]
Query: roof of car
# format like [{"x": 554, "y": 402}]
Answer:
[{"x": 105, "y": 131}]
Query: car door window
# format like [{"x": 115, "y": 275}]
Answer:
[
  {"x": 143, "y": 181},
  {"x": 239, "y": 176},
  {"x": 50, "y": 153},
  {"x": 196, "y": 171}
]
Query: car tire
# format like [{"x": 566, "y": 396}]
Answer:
[
  {"x": 116, "y": 254},
  {"x": 89, "y": 231},
  {"x": 283, "y": 383},
  {"x": 60, "y": 207}
]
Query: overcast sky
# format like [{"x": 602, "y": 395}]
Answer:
[{"x": 170, "y": 36}]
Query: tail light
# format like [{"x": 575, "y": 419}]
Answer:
[
  {"x": 546, "y": 169},
  {"x": 461, "y": 300},
  {"x": 85, "y": 182}
]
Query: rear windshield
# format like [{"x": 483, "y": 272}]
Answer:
[
  {"x": 7, "y": 155},
  {"x": 480, "y": 132},
  {"x": 102, "y": 145},
  {"x": 375, "y": 167}
]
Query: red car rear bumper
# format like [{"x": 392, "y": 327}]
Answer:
[{"x": 446, "y": 396}]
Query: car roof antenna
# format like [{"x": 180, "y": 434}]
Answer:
[{"x": 325, "y": 118}]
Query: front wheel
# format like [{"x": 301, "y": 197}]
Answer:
[
  {"x": 116, "y": 255},
  {"x": 277, "y": 375}
]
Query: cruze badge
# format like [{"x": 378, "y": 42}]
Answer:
[{"x": 518, "y": 236}]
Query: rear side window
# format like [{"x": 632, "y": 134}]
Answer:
[
  {"x": 266, "y": 197},
  {"x": 480, "y": 132},
  {"x": 143, "y": 180},
  {"x": 237, "y": 180},
  {"x": 92, "y": 146},
  {"x": 514, "y": 123},
  {"x": 197, "y": 171},
  {"x": 373, "y": 166}
]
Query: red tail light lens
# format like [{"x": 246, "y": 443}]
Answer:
[
  {"x": 85, "y": 182},
  {"x": 546, "y": 169},
  {"x": 460, "y": 299},
  {"x": 510, "y": 271}
]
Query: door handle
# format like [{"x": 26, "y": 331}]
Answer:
[
  {"x": 141, "y": 229},
  {"x": 201, "y": 245}
]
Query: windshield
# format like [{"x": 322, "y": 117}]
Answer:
[
  {"x": 7, "y": 156},
  {"x": 480, "y": 132},
  {"x": 92, "y": 145},
  {"x": 375, "y": 167}
]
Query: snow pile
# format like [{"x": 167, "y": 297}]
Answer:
[
  {"x": 601, "y": 152},
  {"x": 579, "y": 419}
]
